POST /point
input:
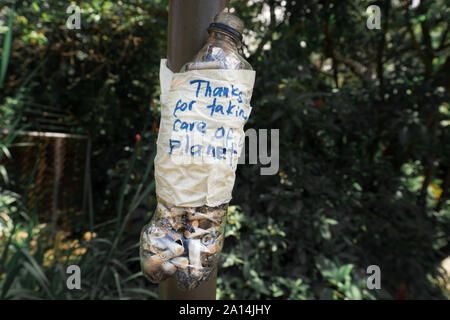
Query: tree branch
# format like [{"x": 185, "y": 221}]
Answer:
[
  {"x": 422, "y": 55},
  {"x": 444, "y": 37},
  {"x": 358, "y": 68},
  {"x": 330, "y": 51},
  {"x": 265, "y": 39},
  {"x": 381, "y": 48}
]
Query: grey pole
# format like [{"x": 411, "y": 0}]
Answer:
[{"x": 188, "y": 22}]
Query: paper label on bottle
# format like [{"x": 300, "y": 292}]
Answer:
[{"x": 201, "y": 134}]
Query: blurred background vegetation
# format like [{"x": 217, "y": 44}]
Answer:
[{"x": 364, "y": 150}]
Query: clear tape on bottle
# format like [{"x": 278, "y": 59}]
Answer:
[{"x": 203, "y": 113}]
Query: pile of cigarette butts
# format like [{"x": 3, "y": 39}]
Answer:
[{"x": 183, "y": 242}]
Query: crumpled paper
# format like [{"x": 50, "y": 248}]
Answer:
[{"x": 201, "y": 133}]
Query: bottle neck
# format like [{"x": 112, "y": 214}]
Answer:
[{"x": 224, "y": 37}]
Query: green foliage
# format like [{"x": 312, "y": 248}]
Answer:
[
  {"x": 251, "y": 267},
  {"x": 6, "y": 47},
  {"x": 348, "y": 134},
  {"x": 34, "y": 259}
]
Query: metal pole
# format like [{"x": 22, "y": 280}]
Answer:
[
  {"x": 168, "y": 290},
  {"x": 188, "y": 21}
]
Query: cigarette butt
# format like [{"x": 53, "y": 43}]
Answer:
[
  {"x": 197, "y": 233},
  {"x": 194, "y": 257},
  {"x": 214, "y": 246},
  {"x": 168, "y": 268},
  {"x": 173, "y": 246},
  {"x": 210, "y": 249},
  {"x": 167, "y": 254},
  {"x": 180, "y": 262},
  {"x": 157, "y": 243},
  {"x": 197, "y": 216},
  {"x": 194, "y": 223},
  {"x": 152, "y": 265},
  {"x": 178, "y": 250}
]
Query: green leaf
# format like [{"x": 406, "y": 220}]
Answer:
[
  {"x": 355, "y": 293},
  {"x": 12, "y": 269},
  {"x": 35, "y": 7},
  {"x": 141, "y": 292},
  {"x": 4, "y": 174},
  {"x": 6, "y": 47}
]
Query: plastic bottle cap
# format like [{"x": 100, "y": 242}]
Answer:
[
  {"x": 230, "y": 23},
  {"x": 230, "y": 20}
]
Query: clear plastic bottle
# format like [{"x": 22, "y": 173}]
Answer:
[
  {"x": 221, "y": 50},
  {"x": 186, "y": 242}
]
